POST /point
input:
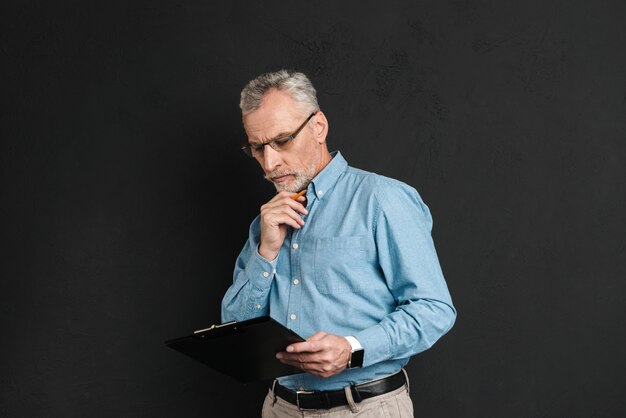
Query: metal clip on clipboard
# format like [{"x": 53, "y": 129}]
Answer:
[{"x": 212, "y": 327}]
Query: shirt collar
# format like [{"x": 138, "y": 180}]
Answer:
[{"x": 327, "y": 178}]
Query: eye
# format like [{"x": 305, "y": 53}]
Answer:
[
  {"x": 281, "y": 142},
  {"x": 257, "y": 147}
]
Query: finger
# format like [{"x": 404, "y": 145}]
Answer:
[
  {"x": 296, "y": 206},
  {"x": 292, "y": 363},
  {"x": 306, "y": 367},
  {"x": 280, "y": 209},
  {"x": 285, "y": 201},
  {"x": 292, "y": 359},
  {"x": 302, "y": 357},
  {"x": 309, "y": 345},
  {"x": 306, "y": 364},
  {"x": 298, "y": 197},
  {"x": 269, "y": 214},
  {"x": 305, "y": 347},
  {"x": 317, "y": 336},
  {"x": 303, "y": 201},
  {"x": 285, "y": 219},
  {"x": 295, "y": 215},
  {"x": 291, "y": 213},
  {"x": 318, "y": 367},
  {"x": 292, "y": 195}
]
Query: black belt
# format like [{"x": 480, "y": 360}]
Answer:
[{"x": 332, "y": 398}]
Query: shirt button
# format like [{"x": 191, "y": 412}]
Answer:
[
  {"x": 293, "y": 316},
  {"x": 258, "y": 306},
  {"x": 296, "y": 281},
  {"x": 295, "y": 246},
  {"x": 320, "y": 193},
  {"x": 266, "y": 274}
]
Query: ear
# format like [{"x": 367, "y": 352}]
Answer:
[{"x": 320, "y": 127}]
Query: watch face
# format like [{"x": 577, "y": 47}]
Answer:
[{"x": 356, "y": 360}]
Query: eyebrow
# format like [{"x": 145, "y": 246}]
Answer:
[{"x": 279, "y": 136}]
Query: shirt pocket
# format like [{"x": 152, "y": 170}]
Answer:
[{"x": 338, "y": 263}]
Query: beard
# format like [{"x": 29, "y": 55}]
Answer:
[{"x": 301, "y": 179}]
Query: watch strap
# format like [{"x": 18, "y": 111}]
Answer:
[
  {"x": 356, "y": 353},
  {"x": 354, "y": 343}
]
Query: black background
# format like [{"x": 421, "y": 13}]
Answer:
[{"x": 124, "y": 198}]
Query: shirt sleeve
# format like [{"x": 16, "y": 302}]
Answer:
[
  {"x": 248, "y": 296},
  {"x": 407, "y": 257}
]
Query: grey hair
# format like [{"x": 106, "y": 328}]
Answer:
[{"x": 296, "y": 84}]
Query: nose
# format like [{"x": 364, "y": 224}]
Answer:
[{"x": 271, "y": 159}]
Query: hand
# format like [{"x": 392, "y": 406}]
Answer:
[
  {"x": 322, "y": 355},
  {"x": 276, "y": 215}
]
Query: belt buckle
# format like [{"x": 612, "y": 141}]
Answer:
[{"x": 303, "y": 392}]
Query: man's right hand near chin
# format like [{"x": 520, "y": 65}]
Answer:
[{"x": 276, "y": 216}]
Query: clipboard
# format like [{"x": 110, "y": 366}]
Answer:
[{"x": 243, "y": 350}]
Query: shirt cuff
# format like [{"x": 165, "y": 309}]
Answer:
[
  {"x": 354, "y": 343},
  {"x": 272, "y": 262},
  {"x": 376, "y": 345},
  {"x": 260, "y": 271}
]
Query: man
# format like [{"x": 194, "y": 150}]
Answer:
[{"x": 350, "y": 265}]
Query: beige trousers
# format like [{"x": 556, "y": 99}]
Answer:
[{"x": 395, "y": 404}]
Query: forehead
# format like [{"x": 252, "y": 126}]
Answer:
[{"x": 278, "y": 114}]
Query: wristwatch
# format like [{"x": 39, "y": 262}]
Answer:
[{"x": 357, "y": 354}]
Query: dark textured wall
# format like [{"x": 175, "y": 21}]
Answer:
[{"x": 124, "y": 199}]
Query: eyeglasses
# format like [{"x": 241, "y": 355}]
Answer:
[{"x": 278, "y": 144}]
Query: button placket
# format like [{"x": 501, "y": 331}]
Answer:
[
  {"x": 293, "y": 308},
  {"x": 294, "y": 305}
]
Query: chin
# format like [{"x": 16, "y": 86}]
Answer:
[
  {"x": 299, "y": 182},
  {"x": 280, "y": 187}
]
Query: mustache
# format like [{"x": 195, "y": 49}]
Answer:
[{"x": 271, "y": 176}]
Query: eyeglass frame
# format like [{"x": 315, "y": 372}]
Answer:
[{"x": 278, "y": 143}]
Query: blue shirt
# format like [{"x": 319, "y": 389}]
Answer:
[{"x": 363, "y": 264}]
